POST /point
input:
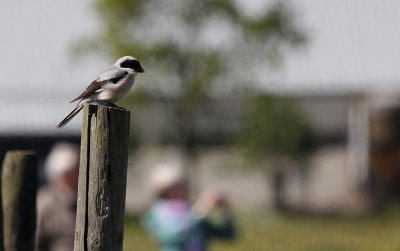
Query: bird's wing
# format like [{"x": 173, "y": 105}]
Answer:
[
  {"x": 90, "y": 90},
  {"x": 111, "y": 75}
]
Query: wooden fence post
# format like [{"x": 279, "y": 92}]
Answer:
[
  {"x": 102, "y": 179},
  {"x": 19, "y": 185}
]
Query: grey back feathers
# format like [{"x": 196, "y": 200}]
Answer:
[{"x": 110, "y": 73}]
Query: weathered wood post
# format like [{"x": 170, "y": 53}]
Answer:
[
  {"x": 102, "y": 179},
  {"x": 18, "y": 190},
  {"x": 1, "y": 220}
]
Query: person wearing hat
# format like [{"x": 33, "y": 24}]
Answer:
[
  {"x": 56, "y": 202},
  {"x": 175, "y": 224}
]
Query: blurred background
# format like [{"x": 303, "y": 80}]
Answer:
[{"x": 290, "y": 108}]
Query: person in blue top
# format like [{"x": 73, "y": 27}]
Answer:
[{"x": 175, "y": 224}]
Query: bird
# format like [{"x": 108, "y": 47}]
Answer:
[{"x": 111, "y": 85}]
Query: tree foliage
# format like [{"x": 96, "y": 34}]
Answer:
[
  {"x": 191, "y": 49},
  {"x": 191, "y": 46},
  {"x": 275, "y": 127}
]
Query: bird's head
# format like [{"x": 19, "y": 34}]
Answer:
[{"x": 129, "y": 63}]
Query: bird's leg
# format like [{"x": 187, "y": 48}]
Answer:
[
  {"x": 108, "y": 103},
  {"x": 111, "y": 104},
  {"x": 105, "y": 103}
]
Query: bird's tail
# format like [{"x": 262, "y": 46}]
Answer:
[{"x": 70, "y": 116}]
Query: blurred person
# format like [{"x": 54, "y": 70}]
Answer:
[
  {"x": 175, "y": 224},
  {"x": 56, "y": 202}
]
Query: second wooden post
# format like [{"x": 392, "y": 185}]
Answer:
[
  {"x": 102, "y": 179},
  {"x": 19, "y": 184}
]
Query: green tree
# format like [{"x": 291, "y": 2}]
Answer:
[
  {"x": 191, "y": 49},
  {"x": 276, "y": 130},
  {"x": 275, "y": 126}
]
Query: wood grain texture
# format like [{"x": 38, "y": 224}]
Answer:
[
  {"x": 19, "y": 186},
  {"x": 102, "y": 179}
]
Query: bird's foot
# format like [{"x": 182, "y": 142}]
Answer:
[
  {"x": 108, "y": 103},
  {"x": 105, "y": 103}
]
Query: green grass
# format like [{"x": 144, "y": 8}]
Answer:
[{"x": 273, "y": 231}]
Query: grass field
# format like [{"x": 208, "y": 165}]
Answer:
[{"x": 274, "y": 231}]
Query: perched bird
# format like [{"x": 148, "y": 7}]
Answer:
[{"x": 111, "y": 85}]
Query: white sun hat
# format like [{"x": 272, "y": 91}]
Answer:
[
  {"x": 62, "y": 158},
  {"x": 165, "y": 175}
]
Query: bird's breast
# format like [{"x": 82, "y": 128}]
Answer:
[{"x": 114, "y": 92}]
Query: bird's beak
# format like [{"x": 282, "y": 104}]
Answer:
[{"x": 141, "y": 70}]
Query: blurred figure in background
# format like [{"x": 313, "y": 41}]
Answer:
[
  {"x": 56, "y": 202},
  {"x": 174, "y": 223}
]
